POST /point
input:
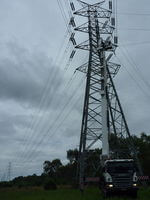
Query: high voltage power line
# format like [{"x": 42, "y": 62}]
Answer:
[
  {"x": 45, "y": 89},
  {"x": 35, "y": 126},
  {"x": 27, "y": 153},
  {"x": 134, "y": 14},
  {"x": 134, "y": 66},
  {"x": 63, "y": 14},
  {"x": 65, "y": 88},
  {"x": 135, "y": 43},
  {"x": 69, "y": 84},
  {"x": 50, "y": 129},
  {"x": 134, "y": 29},
  {"x": 54, "y": 122},
  {"x": 134, "y": 79}
]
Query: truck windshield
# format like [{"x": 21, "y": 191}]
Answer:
[{"x": 120, "y": 167}]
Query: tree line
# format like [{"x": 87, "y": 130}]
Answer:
[{"x": 57, "y": 173}]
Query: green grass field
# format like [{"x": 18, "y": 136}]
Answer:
[{"x": 61, "y": 194}]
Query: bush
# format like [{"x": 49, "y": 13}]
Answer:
[
  {"x": 50, "y": 185},
  {"x": 6, "y": 184}
]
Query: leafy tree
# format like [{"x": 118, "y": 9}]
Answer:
[
  {"x": 54, "y": 172},
  {"x": 72, "y": 155},
  {"x": 143, "y": 146},
  {"x": 51, "y": 168}
]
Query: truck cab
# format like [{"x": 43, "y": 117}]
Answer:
[{"x": 119, "y": 175}]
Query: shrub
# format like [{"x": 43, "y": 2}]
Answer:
[{"x": 6, "y": 184}]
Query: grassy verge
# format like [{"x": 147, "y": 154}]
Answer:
[{"x": 61, "y": 194}]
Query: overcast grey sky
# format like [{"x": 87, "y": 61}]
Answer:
[{"x": 39, "y": 116}]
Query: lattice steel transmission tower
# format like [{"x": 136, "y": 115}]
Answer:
[{"x": 102, "y": 112}]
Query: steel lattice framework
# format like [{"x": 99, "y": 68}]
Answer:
[{"x": 102, "y": 111}]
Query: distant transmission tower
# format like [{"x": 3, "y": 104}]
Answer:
[{"x": 102, "y": 112}]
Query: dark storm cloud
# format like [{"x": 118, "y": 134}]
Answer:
[
  {"x": 24, "y": 73},
  {"x": 6, "y": 129},
  {"x": 30, "y": 35},
  {"x": 23, "y": 76}
]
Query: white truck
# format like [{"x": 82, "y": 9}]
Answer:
[{"x": 119, "y": 175}]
